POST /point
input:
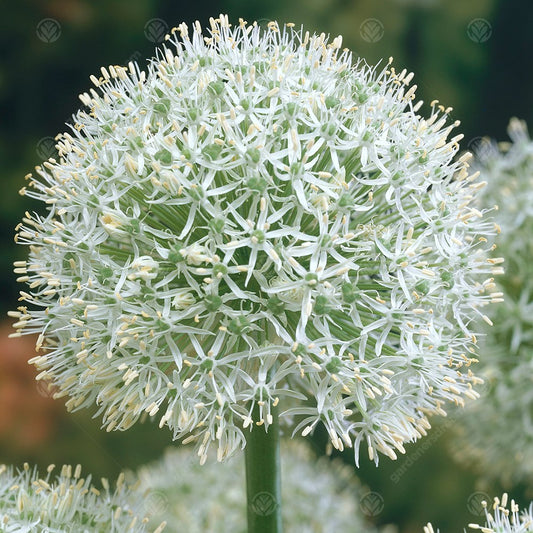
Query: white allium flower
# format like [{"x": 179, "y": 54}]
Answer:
[
  {"x": 502, "y": 518},
  {"x": 320, "y": 226},
  {"x": 497, "y": 433},
  {"x": 318, "y": 496},
  {"x": 65, "y": 502}
]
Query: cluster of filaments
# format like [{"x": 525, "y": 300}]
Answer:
[
  {"x": 501, "y": 517},
  {"x": 257, "y": 221},
  {"x": 66, "y": 501},
  {"x": 503, "y": 420},
  {"x": 505, "y": 516}
]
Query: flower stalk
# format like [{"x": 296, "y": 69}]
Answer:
[{"x": 263, "y": 477}]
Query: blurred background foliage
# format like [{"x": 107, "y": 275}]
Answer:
[{"x": 472, "y": 55}]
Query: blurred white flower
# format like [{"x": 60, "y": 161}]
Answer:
[
  {"x": 501, "y": 518},
  {"x": 68, "y": 502},
  {"x": 323, "y": 233},
  {"x": 496, "y": 434},
  {"x": 318, "y": 495}
]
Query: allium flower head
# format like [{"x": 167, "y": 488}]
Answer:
[
  {"x": 318, "y": 496},
  {"x": 257, "y": 220},
  {"x": 502, "y": 518},
  {"x": 497, "y": 433},
  {"x": 67, "y": 502}
]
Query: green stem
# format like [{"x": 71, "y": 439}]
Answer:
[{"x": 263, "y": 477}]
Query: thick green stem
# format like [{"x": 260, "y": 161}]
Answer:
[{"x": 263, "y": 477}]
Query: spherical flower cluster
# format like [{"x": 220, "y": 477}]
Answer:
[
  {"x": 497, "y": 433},
  {"x": 318, "y": 496},
  {"x": 256, "y": 220},
  {"x": 501, "y": 519},
  {"x": 67, "y": 502}
]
